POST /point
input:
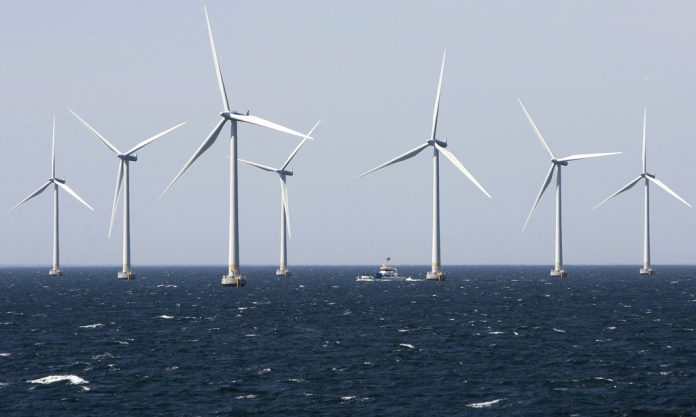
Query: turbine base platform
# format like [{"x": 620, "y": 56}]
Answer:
[
  {"x": 233, "y": 280},
  {"x": 128, "y": 276},
  {"x": 646, "y": 271},
  {"x": 435, "y": 276},
  {"x": 283, "y": 273},
  {"x": 561, "y": 273},
  {"x": 55, "y": 272}
]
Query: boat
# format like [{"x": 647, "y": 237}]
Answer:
[{"x": 385, "y": 272}]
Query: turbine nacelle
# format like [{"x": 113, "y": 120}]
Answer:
[
  {"x": 127, "y": 157},
  {"x": 433, "y": 142},
  {"x": 228, "y": 114},
  {"x": 284, "y": 172},
  {"x": 557, "y": 162},
  {"x": 646, "y": 174},
  {"x": 56, "y": 180}
]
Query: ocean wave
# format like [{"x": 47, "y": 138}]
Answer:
[
  {"x": 74, "y": 379},
  {"x": 407, "y": 345},
  {"x": 484, "y": 404},
  {"x": 92, "y": 326},
  {"x": 164, "y": 316}
]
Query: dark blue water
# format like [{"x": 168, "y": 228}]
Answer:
[{"x": 489, "y": 341}]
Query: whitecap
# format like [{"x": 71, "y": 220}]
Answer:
[
  {"x": 245, "y": 397},
  {"x": 484, "y": 403},
  {"x": 349, "y": 398},
  {"x": 264, "y": 371},
  {"x": 599, "y": 378},
  {"x": 164, "y": 316},
  {"x": 296, "y": 380},
  {"x": 496, "y": 332},
  {"x": 407, "y": 345},
  {"x": 102, "y": 356},
  {"x": 74, "y": 379},
  {"x": 92, "y": 326},
  {"x": 558, "y": 330},
  {"x": 4, "y": 354}
]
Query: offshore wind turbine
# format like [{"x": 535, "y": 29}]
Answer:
[
  {"x": 283, "y": 173},
  {"x": 556, "y": 164},
  {"x": 647, "y": 179},
  {"x": 233, "y": 278},
  {"x": 123, "y": 182},
  {"x": 57, "y": 183},
  {"x": 436, "y": 273}
]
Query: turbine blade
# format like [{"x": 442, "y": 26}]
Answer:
[
  {"x": 453, "y": 159},
  {"x": 413, "y": 152},
  {"x": 32, "y": 195},
  {"x": 117, "y": 193},
  {"x": 207, "y": 143},
  {"x": 255, "y": 120},
  {"x": 74, "y": 194},
  {"x": 297, "y": 148},
  {"x": 536, "y": 130},
  {"x": 218, "y": 72},
  {"x": 436, "y": 110},
  {"x": 254, "y": 164},
  {"x": 621, "y": 190},
  {"x": 645, "y": 155},
  {"x": 541, "y": 192},
  {"x": 97, "y": 134},
  {"x": 286, "y": 207},
  {"x": 666, "y": 188},
  {"x": 586, "y": 156},
  {"x": 53, "y": 150},
  {"x": 152, "y": 139}
]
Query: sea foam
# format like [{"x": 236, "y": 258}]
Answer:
[
  {"x": 484, "y": 404},
  {"x": 74, "y": 379}
]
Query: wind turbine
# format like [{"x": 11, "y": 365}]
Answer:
[
  {"x": 556, "y": 163},
  {"x": 436, "y": 273},
  {"x": 123, "y": 182},
  {"x": 233, "y": 277},
  {"x": 283, "y": 173},
  {"x": 57, "y": 183},
  {"x": 647, "y": 179}
]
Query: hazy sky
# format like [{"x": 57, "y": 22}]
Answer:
[{"x": 585, "y": 70}]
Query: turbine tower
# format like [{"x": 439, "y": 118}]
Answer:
[
  {"x": 233, "y": 277},
  {"x": 436, "y": 273},
  {"x": 57, "y": 183},
  {"x": 556, "y": 164},
  {"x": 647, "y": 179},
  {"x": 123, "y": 182},
  {"x": 283, "y": 173}
]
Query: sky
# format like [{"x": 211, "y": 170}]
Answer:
[{"x": 368, "y": 69}]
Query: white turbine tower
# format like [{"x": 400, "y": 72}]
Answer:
[
  {"x": 233, "y": 277},
  {"x": 57, "y": 183},
  {"x": 283, "y": 173},
  {"x": 436, "y": 273},
  {"x": 647, "y": 179},
  {"x": 123, "y": 182},
  {"x": 556, "y": 163}
]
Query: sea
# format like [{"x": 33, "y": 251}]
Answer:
[{"x": 488, "y": 341}]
